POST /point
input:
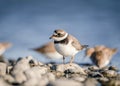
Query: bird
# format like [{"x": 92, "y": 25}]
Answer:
[
  {"x": 100, "y": 55},
  {"x": 66, "y": 44},
  {"x": 48, "y": 50},
  {"x": 4, "y": 46}
]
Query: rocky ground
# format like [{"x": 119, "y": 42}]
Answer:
[{"x": 29, "y": 72}]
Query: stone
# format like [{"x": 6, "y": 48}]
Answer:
[
  {"x": 65, "y": 82},
  {"x": 3, "y": 67},
  {"x": 20, "y": 77},
  {"x": 49, "y": 77},
  {"x": 9, "y": 78},
  {"x": 91, "y": 82},
  {"x": 3, "y": 83},
  {"x": 9, "y": 69},
  {"x": 31, "y": 82},
  {"x": 112, "y": 83},
  {"x": 34, "y": 75},
  {"x": 113, "y": 68},
  {"x": 72, "y": 67},
  {"x": 22, "y": 65},
  {"x": 79, "y": 79},
  {"x": 35, "y": 72},
  {"x": 103, "y": 79},
  {"x": 109, "y": 73},
  {"x": 95, "y": 75},
  {"x": 93, "y": 68},
  {"x": 58, "y": 74}
]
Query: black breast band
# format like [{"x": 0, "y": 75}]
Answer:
[{"x": 64, "y": 41}]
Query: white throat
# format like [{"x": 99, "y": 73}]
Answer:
[{"x": 61, "y": 38}]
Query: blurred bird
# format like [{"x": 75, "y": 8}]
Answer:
[
  {"x": 100, "y": 55},
  {"x": 4, "y": 46},
  {"x": 49, "y": 51},
  {"x": 66, "y": 44}
]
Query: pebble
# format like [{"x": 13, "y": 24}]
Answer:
[
  {"x": 3, "y": 83},
  {"x": 9, "y": 78},
  {"x": 113, "y": 68},
  {"x": 3, "y": 67},
  {"x": 112, "y": 83},
  {"x": 91, "y": 82},
  {"x": 109, "y": 73},
  {"x": 65, "y": 82},
  {"x": 72, "y": 67}
]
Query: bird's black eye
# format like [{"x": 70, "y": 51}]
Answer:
[{"x": 58, "y": 34}]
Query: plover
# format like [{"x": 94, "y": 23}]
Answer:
[
  {"x": 100, "y": 55},
  {"x": 4, "y": 46},
  {"x": 66, "y": 44},
  {"x": 49, "y": 51}
]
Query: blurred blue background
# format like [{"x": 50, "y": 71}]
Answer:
[{"x": 29, "y": 24}]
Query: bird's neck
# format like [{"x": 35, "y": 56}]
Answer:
[{"x": 64, "y": 41}]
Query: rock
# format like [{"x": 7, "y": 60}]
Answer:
[
  {"x": 34, "y": 75},
  {"x": 49, "y": 77},
  {"x": 35, "y": 72},
  {"x": 43, "y": 81},
  {"x": 19, "y": 77},
  {"x": 79, "y": 79},
  {"x": 91, "y": 82},
  {"x": 53, "y": 66},
  {"x": 22, "y": 65},
  {"x": 40, "y": 64},
  {"x": 109, "y": 73},
  {"x": 93, "y": 68},
  {"x": 3, "y": 59},
  {"x": 65, "y": 82},
  {"x": 58, "y": 74},
  {"x": 95, "y": 75},
  {"x": 112, "y": 83},
  {"x": 31, "y": 82},
  {"x": 32, "y": 61},
  {"x": 3, "y": 67},
  {"x": 72, "y": 67},
  {"x": 9, "y": 69},
  {"x": 9, "y": 78},
  {"x": 103, "y": 79},
  {"x": 3, "y": 83},
  {"x": 11, "y": 62},
  {"x": 113, "y": 68}
]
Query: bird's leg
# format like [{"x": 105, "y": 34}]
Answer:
[
  {"x": 71, "y": 61},
  {"x": 63, "y": 60}
]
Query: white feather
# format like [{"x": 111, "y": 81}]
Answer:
[{"x": 66, "y": 49}]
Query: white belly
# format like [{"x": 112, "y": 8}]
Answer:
[
  {"x": 106, "y": 63},
  {"x": 66, "y": 50}
]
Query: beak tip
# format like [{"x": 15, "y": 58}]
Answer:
[{"x": 50, "y": 37}]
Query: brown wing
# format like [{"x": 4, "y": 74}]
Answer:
[
  {"x": 75, "y": 42},
  {"x": 89, "y": 51},
  {"x": 49, "y": 47}
]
